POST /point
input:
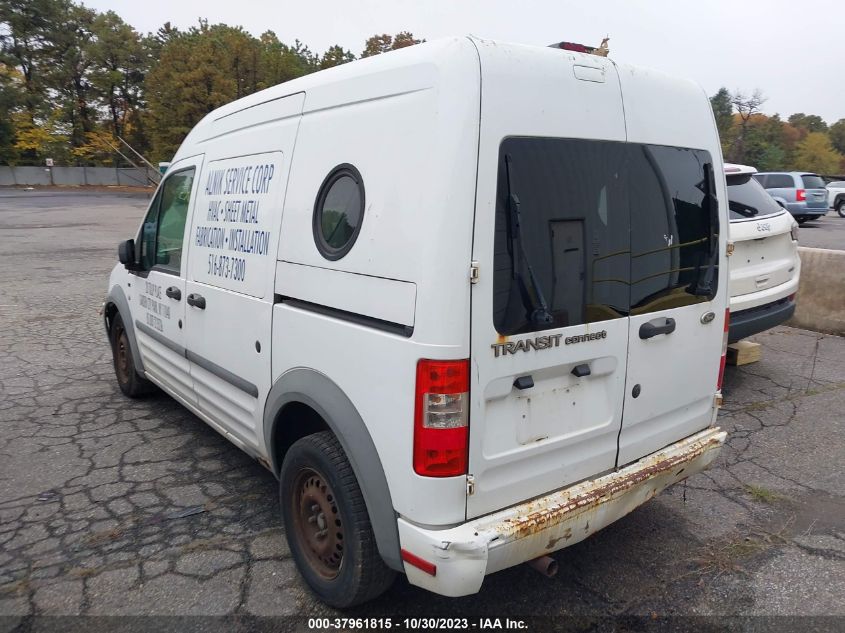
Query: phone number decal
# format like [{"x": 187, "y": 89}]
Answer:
[{"x": 227, "y": 267}]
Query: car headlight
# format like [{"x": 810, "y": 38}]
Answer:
[{"x": 794, "y": 232}]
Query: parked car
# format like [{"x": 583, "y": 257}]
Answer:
[
  {"x": 836, "y": 197},
  {"x": 765, "y": 266},
  {"x": 802, "y": 194},
  {"x": 432, "y": 349}
]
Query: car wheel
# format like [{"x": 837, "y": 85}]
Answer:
[
  {"x": 131, "y": 383},
  {"x": 327, "y": 525},
  {"x": 840, "y": 208},
  {"x": 801, "y": 220}
]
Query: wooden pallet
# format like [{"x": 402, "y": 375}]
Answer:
[{"x": 743, "y": 352}]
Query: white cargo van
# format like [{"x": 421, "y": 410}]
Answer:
[{"x": 467, "y": 301}]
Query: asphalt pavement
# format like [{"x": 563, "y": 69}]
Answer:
[
  {"x": 110, "y": 506},
  {"x": 826, "y": 232}
]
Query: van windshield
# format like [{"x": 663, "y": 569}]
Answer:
[
  {"x": 605, "y": 229},
  {"x": 747, "y": 198}
]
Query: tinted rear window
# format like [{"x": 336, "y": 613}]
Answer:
[
  {"x": 607, "y": 229},
  {"x": 779, "y": 181},
  {"x": 747, "y": 199},
  {"x": 811, "y": 181}
]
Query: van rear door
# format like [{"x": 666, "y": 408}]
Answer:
[
  {"x": 679, "y": 283},
  {"x": 549, "y": 333},
  {"x": 677, "y": 325}
]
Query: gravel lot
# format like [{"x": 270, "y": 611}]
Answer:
[{"x": 110, "y": 506}]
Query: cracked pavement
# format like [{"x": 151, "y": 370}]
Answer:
[{"x": 110, "y": 506}]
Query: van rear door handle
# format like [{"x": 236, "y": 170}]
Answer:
[
  {"x": 579, "y": 371},
  {"x": 663, "y": 325},
  {"x": 198, "y": 301},
  {"x": 174, "y": 293}
]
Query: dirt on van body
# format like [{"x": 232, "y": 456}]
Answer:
[{"x": 116, "y": 507}]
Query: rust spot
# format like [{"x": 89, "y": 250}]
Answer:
[
  {"x": 554, "y": 541},
  {"x": 537, "y": 517},
  {"x": 501, "y": 338}
]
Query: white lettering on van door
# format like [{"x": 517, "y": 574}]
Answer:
[{"x": 232, "y": 230}]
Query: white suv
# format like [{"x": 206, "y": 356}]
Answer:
[
  {"x": 765, "y": 265},
  {"x": 422, "y": 288},
  {"x": 836, "y": 197}
]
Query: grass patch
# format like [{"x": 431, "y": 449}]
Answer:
[{"x": 764, "y": 495}]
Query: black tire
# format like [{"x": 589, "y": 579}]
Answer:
[
  {"x": 316, "y": 480},
  {"x": 130, "y": 382},
  {"x": 840, "y": 208},
  {"x": 801, "y": 220}
]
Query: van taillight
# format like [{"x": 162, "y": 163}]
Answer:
[
  {"x": 441, "y": 418},
  {"x": 800, "y": 195},
  {"x": 724, "y": 351}
]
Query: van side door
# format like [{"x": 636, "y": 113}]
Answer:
[
  {"x": 231, "y": 272},
  {"x": 158, "y": 288}
]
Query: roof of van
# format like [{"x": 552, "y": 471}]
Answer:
[
  {"x": 389, "y": 74},
  {"x": 396, "y": 73}
]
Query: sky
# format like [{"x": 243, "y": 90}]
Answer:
[{"x": 790, "y": 50}]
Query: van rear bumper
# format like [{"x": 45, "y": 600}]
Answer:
[{"x": 465, "y": 554}]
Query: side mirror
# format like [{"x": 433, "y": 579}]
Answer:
[{"x": 126, "y": 253}]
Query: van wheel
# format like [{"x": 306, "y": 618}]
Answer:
[
  {"x": 128, "y": 379},
  {"x": 327, "y": 525},
  {"x": 840, "y": 208}
]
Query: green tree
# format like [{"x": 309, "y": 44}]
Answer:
[
  {"x": 815, "y": 153},
  {"x": 837, "y": 135},
  {"x": 335, "y": 56},
  {"x": 723, "y": 113},
  {"x": 809, "y": 122},
  {"x": 206, "y": 67},
  {"x": 746, "y": 107},
  {"x": 69, "y": 56},
  {"x": 378, "y": 44},
  {"x": 120, "y": 63},
  {"x": 280, "y": 62},
  {"x": 26, "y": 29},
  {"x": 11, "y": 98}
]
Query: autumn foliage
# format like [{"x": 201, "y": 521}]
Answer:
[{"x": 73, "y": 79}]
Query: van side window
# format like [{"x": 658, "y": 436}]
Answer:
[
  {"x": 164, "y": 228},
  {"x": 338, "y": 212},
  {"x": 674, "y": 230},
  {"x": 588, "y": 231},
  {"x": 779, "y": 181}
]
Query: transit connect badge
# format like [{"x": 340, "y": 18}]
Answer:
[{"x": 543, "y": 342}]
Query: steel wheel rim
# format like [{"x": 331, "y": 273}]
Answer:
[
  {"x": 317, "y": 522},
  {"x": 122, "y": 357}
]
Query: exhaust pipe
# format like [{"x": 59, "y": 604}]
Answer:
[{"x": 546, "y": 565}]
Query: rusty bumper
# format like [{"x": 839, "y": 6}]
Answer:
[{"x": 464, "y": 554}]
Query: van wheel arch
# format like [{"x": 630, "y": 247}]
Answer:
[
  {"x": 315, "y": 403},
  {"x": 115, "y": 304}
]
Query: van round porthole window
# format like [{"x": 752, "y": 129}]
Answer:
[{"x": 338, "y": 212}]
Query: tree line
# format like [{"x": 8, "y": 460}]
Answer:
[
  {"x": 803, "y": 142},
  {"x": 73, "y": 79}
]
